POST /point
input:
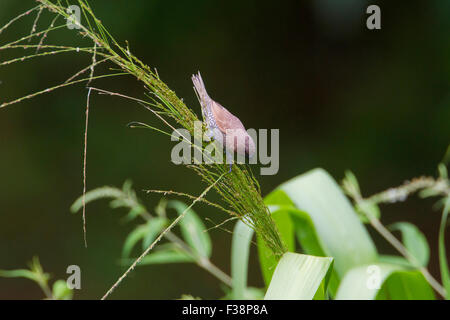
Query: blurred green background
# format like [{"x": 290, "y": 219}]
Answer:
[{"x": 343, "y": 97}]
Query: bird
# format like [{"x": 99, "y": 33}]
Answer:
[{"x": 222, "y": 125}]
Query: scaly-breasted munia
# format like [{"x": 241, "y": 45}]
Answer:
[{"x": 223, "y": 126}]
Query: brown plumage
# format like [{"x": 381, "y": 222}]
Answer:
[{"x": 223, "y": 126}]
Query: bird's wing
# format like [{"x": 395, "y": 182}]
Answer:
[{"x": 224, "y": 119}]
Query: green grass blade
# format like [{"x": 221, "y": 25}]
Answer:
[
  {"x": 267, "y": 260},
  {"x": 240, "y": 250},
  {"x": 298, "y": 277}
]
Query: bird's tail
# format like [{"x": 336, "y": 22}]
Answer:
[{"x": 199, "y": 87}]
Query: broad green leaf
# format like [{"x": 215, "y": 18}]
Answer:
[
  {"x": 383, "y": 281},
  {"x": 414, "y": 241},
  {"x": 61, "y": 291},
  {"x": 339, "y": 230},
  {"x": 406, "y": 285},
  {"x": 240, "y": 250},
  {"x": 321, "y": 292},
  {"x": 445, "y": 273},
  {"x": 285, "y": 227},
  {"x": 298, "y": 277},
  {"x": 193, "y": 229},
  {"x": 304, "y": 230},
  {"x": 303, "y": 225},
  {"x": 364, "y": 282}
]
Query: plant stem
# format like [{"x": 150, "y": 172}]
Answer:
[
  {"x": 84, "y": 168},
  {"x": 150, "y": 247},
  {"x": 439, "y": 186},
  {"x": 202, "y": 262},
  {"x": 403, "y": 251},
  {"x": 47, "y": 291}
]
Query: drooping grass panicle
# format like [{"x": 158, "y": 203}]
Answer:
[{"x": 239, "y": 189}]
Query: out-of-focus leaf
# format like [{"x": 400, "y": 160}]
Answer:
[
  {"x": 161, "y": 207},
  {"x": 240, "y": 250},
  {"x": 406, "y": 285},
  {"x": 126, "y": 187},
  {"x": 154, "y": 227},
  {"x": 189, "y": 297},
  {"x": 19, "y": 273},
  {"x": 193, "y": 229},
  {"x": 395, "y": 260},
  {"x": 133, "y": 237},
  {"x": 134, "y": 213},
  {"x": 35, "y": 273},
  {"x": 335, "y": 229},
  {"x": 414, "y": 241},
  {"x": 443, "y": 174},
  {"x": 383, "y": 281},
  {"x": 250, "y": 293},
  {"x": 298, "y": 277},
  {"x": 166, "y": 256},
  {"x": 365, "y": 209},
  {"x": 61, "y": 291},
  {"x": 350, "y": 184},
  {"x": 304, "y": 230},
  {"x": 445, "y": 273},
  {"x": 267, "y": 260},
  {"x": 446, "y": 158},
  {"x": 99, "y": 193},
  {"x": 145, "y": 232}
]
